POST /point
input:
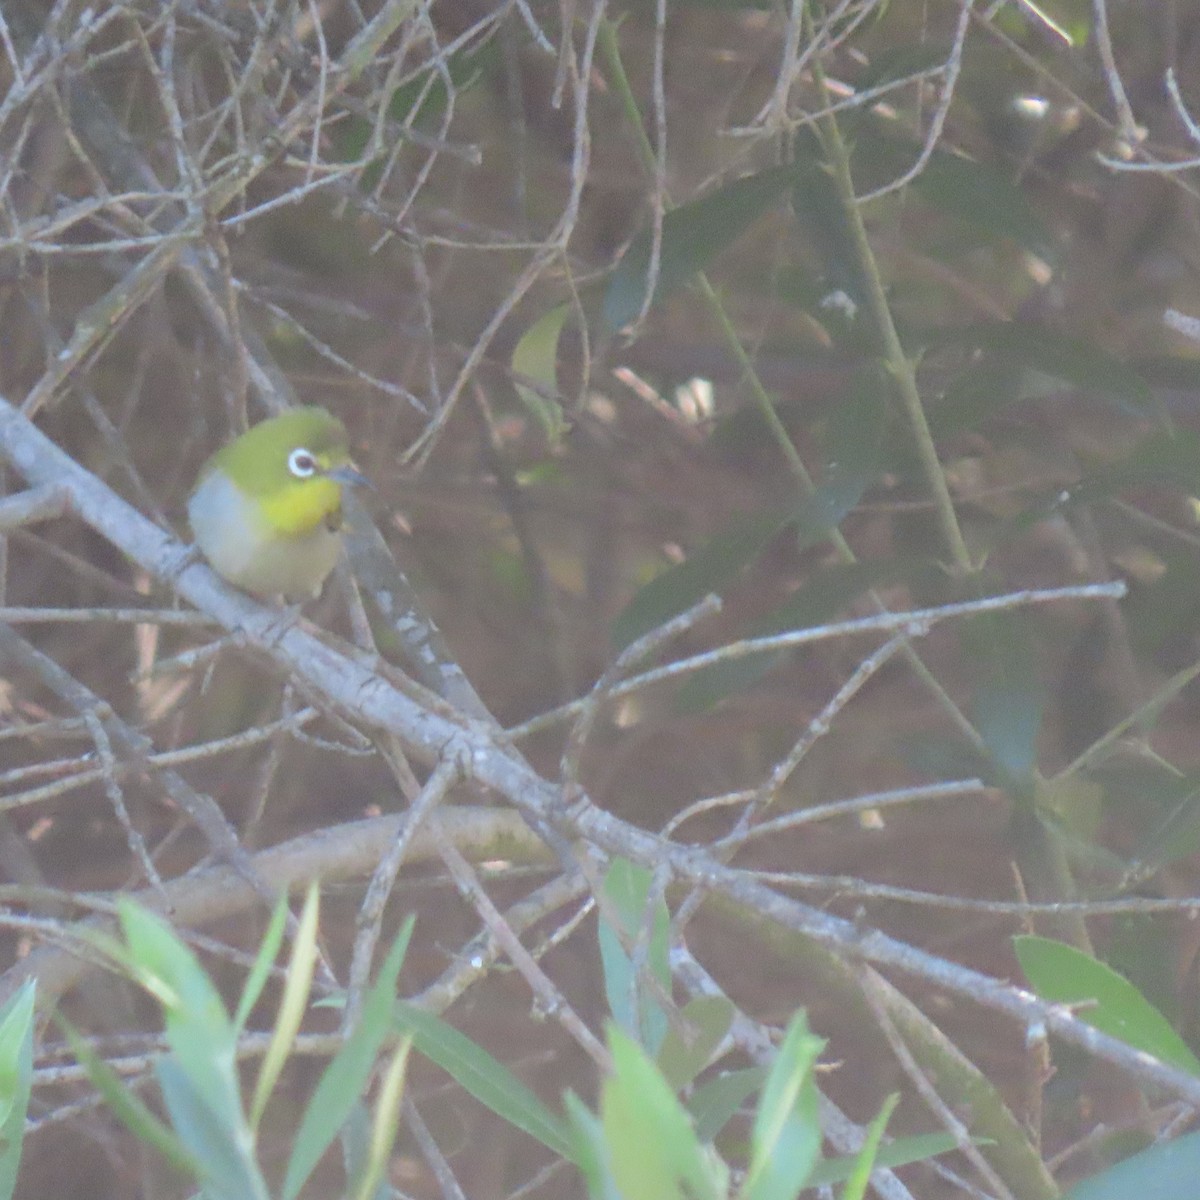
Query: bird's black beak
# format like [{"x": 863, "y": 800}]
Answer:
[{"x": 351, "y": 475}]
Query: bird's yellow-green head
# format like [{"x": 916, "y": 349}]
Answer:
[{"x": 267, "y": 508}]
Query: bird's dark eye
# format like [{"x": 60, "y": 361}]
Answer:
[{"x": 301, "y": 463}]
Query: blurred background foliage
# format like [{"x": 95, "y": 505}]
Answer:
[{"x": 585, "y": 286}]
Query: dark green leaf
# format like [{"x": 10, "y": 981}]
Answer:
[
  {"x": 985, "y": 198},
  {"x": 1056, "y": 356},
  {"x": 488, "y": 1080},
  {"x": 822, "y": 597},
  {"x": 692, "y": 236},
  {"x": 819, "y": 210},
  {"x": 1010, "y": 698},
  {"x": 707, "y": 1018},
  {"x": 1173, "y": 831},
  {"x": 710, "y": 568},
  {"x": 897, "y": 1153},
  {"x": 716, "y": 1101}
]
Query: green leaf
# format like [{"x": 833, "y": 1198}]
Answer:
[
  {"x": 652, "y": 1147},
  {"x": 1009, "y": 699},
  {"x": 708, "y": 1018},
  {"x": 292, "y": 1006},
  {"x": 852, "y": 450},
  {"x": 536, "y": 358},
  {"x": 627, "y": 890},
  {"x": 823, "y": 595},
  {"x": 692, "y": 236},
  {"x": 129, "y": 1108},
  {"x": 355, "y": 1142},
  {"x": 422, "y": 99},
  {"x": 261, "y": 970},
  {"x": 16, "y": 1081},
  {"x": 897, "y": 1153},
  {"x": 488, "y": 1080},
  {"x": 590, "y": 1150},
  {"x": 1164, "y": 1172},
  {"x": 341, "y": 1085},
  {"x": 819, "y": 211},
  {"x": 1157, "y": 802},
  {"x": 785, "y": 1143},
  {"x": 1105, "y": 1000},
  {"x": 201, "y": 1036},
  {"x": 385, "y": 1124},
  {"x": 984, "y": 197},
  {"x": 710, "y": 568},
  {"x": 1039, "y": 350},
  {"x": 865, "y": 1161},
  {"x": 220, "y": 1141},
  {"x": 1167, "y": 459},
  {"x": 715, "y": 1102}
]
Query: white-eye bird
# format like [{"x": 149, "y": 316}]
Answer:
[{"x": 267, "y": 509}]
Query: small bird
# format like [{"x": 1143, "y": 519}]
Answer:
[{"x": 267, "y": 509}]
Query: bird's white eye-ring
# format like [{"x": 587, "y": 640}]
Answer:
[{"x": 301, "y": 463}]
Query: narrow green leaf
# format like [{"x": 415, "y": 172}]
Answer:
[
  {"x": 708, "y": 1018},
  {"x": 1057, "y": 356},
  {"x": 1009, "y": 698},
  {"x": 16, "y": 1040},
  {"x": 865, "y": 1161},
  {"x": 715, "y": 1102},
  {"x": 852, "y": 450},
  {"x": 633, "y": 1006},
  {"x": 199, "y": 1031},
  {"x": 385, "y": 1124},
  {"x": 260, "y": 971},
  {"x": 296, "y": 987},
  {"x": 536, "y": 358},
  {"x": 820, "y": 599},
  {"x": 340, "y": 1088},
  {"x": 820, "y": 212},
  {"x": 692, "y": 236},
  {"x": 984, "y": 197},
  {"x": 16, "y": 1081},
  {"x": 355, "y": 1142},
  {"x": 709, "y": 568},
  {"x": 341, "y": 1084},
  {"x": 897, "y": 1153},
  {"x": 484, "y": 1077},
  {"x": 128, "y": 1107},
  {"x": 1105, "y": 1000},
  {"x": 590, "y": 1150},
  {"x": 785, "y": 1143},
  {"x": 220, "y": 1142}
]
